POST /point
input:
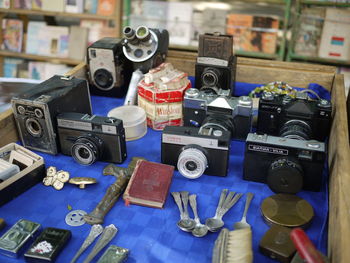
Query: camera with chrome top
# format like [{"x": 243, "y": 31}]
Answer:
[
  {"x": 216, "y": 65},
  {"x": 295, "y": 118},
  {"x": 286, "y": 165},
  {"x": 90, "y": 138},
  {"x": 233, "y": 114},
  {"x": 195, "y": 151},
  {"x": 109, "y": 70},
  {"x": 145, "y": 47}
]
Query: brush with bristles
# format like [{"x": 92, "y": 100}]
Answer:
[{"x": 235, "y": 246}]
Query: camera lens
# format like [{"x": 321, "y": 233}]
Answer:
[
  {"x": 192, "y": 161},
  {"x": 38, "y": 113},
  {"x": 142, "y": 33},
  {"x": 296, "y": 129},
  {"x": 210, "y": 77},
  {"x": 285, "y": 175},
  {"x": 34, "y": 128},
  {"x": 216, "y": 122},
  {"x": 103, "y": 79},
  {"x": 86, "y": 150}
]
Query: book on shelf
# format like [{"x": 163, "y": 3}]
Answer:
[
  {"x": 12, "y": 34},
  {"x": 153, "y": 15},
  {"x": 214, "y": 20},
  {"x": 74, "y": 6},
  {"x": 11, "y": 66},
  {"x": 149, "y": 184},
  {"x": 308, "y": 32},
  {"x": 53, "y": 41},
  {"x": 32, "y": 43},
  {"x": 53, "y": 6},
  {"x": 335, "y": 40},
  {"x": 5, "y": 4},
  {"x": 90, "y": 6},
  {"x": 45, "y": 70},
  {"x": 37, "y": 4},
  {"x": 77, "y": 45},
  {"x": 106, "y": 7},
  {"x": 179, "y": 23},
  {"x": 97, "y": 29},
  {"x": 253, "y": 33}
]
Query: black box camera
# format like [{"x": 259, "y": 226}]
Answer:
[
  {"x": 196, "y": 151},
  {"x": 35, "y": 110},
  {"x": 90, "y": 138},
  {"x": 295, "y": 118},
  {"x": 286, "y": 165}
]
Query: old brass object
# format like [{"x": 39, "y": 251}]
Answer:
[
  {"x": 113, "y": 192},
  {"x": 82, "y": 181},
  {"x": 287, "y": 210}
]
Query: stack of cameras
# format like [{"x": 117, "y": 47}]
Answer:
[
  {"x": 51, "y": 119},
  {"x": 287, "y": 152},
  {"x": 212, "y": 116}
]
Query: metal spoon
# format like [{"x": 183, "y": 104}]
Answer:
[
  {"x": 216, "y": 222},
  {"x": 243, "y": 223},
  {"x": 199, "y": 230},
  {"x": 185, "y": 223}
]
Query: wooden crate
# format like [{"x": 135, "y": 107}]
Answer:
[{"x": 296, "y": 74}]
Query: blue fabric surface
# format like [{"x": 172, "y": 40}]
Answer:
[{"x": 151, "y": 234}]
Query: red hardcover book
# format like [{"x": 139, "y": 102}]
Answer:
[{"x": 149, "y": 184}]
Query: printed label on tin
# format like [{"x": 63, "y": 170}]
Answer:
[
  {"x": 266, "y": 149},
  {"x": 78, "y": 125}
]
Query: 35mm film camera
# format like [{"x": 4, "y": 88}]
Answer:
[
  {"x": 286, "y": 165},
  {"x": 294, "y": 118},
  {"x": 90, "y": 138},
  {"x": 219, "y": 112},
  {"x": 195, "y": 151}
]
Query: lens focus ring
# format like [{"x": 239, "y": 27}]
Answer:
[{"x": 192, "y": 163}]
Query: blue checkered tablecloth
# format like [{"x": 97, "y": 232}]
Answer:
[{"x": 151, "y": 234}]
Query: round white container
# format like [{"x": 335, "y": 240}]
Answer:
[{"x": 134, "y": 120}]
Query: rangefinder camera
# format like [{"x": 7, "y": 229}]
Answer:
[
  {"x": 90, "y": 138},
  {"x": 233, "y": 114},
  {"x": 295, "y": 118},
  {"x": 286, "y": 165},
  {"x": 216, "y": 65},
  {"x": 195, "y": 151}
]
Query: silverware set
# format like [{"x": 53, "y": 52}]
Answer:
[{"x": 227, "y": 201}]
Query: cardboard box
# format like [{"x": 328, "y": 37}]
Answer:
[{"x": 25, "y": 179}]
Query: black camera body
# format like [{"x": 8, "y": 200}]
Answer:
[
  {"x": 286, "y": 165},
  {"x": 109, "y": 70},
  {"x": 35, "y": 110},
  {"x": 145, "y": 47},
  {"x": 196, "y": 151},
  {"x": 295, "y": 118},
  {"x": 233, "y": 114},
  {"x": 90, "y": 138},
  {"x": 215, "y": 68}
]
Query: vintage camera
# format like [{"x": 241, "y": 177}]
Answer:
[
  {"x": 35, "y": 110},
  {"x": 195, "y": 151},
  {"x": 109, "y": 70},
  {"x": 90, "y": 138},
  {"x": 295, "y": 118},
  {"x": 219, "y": 112},
  {"x": 286, "y": 165},
  {"x": 145, "y": 47},
  {"x": 216, "y": 65}
]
